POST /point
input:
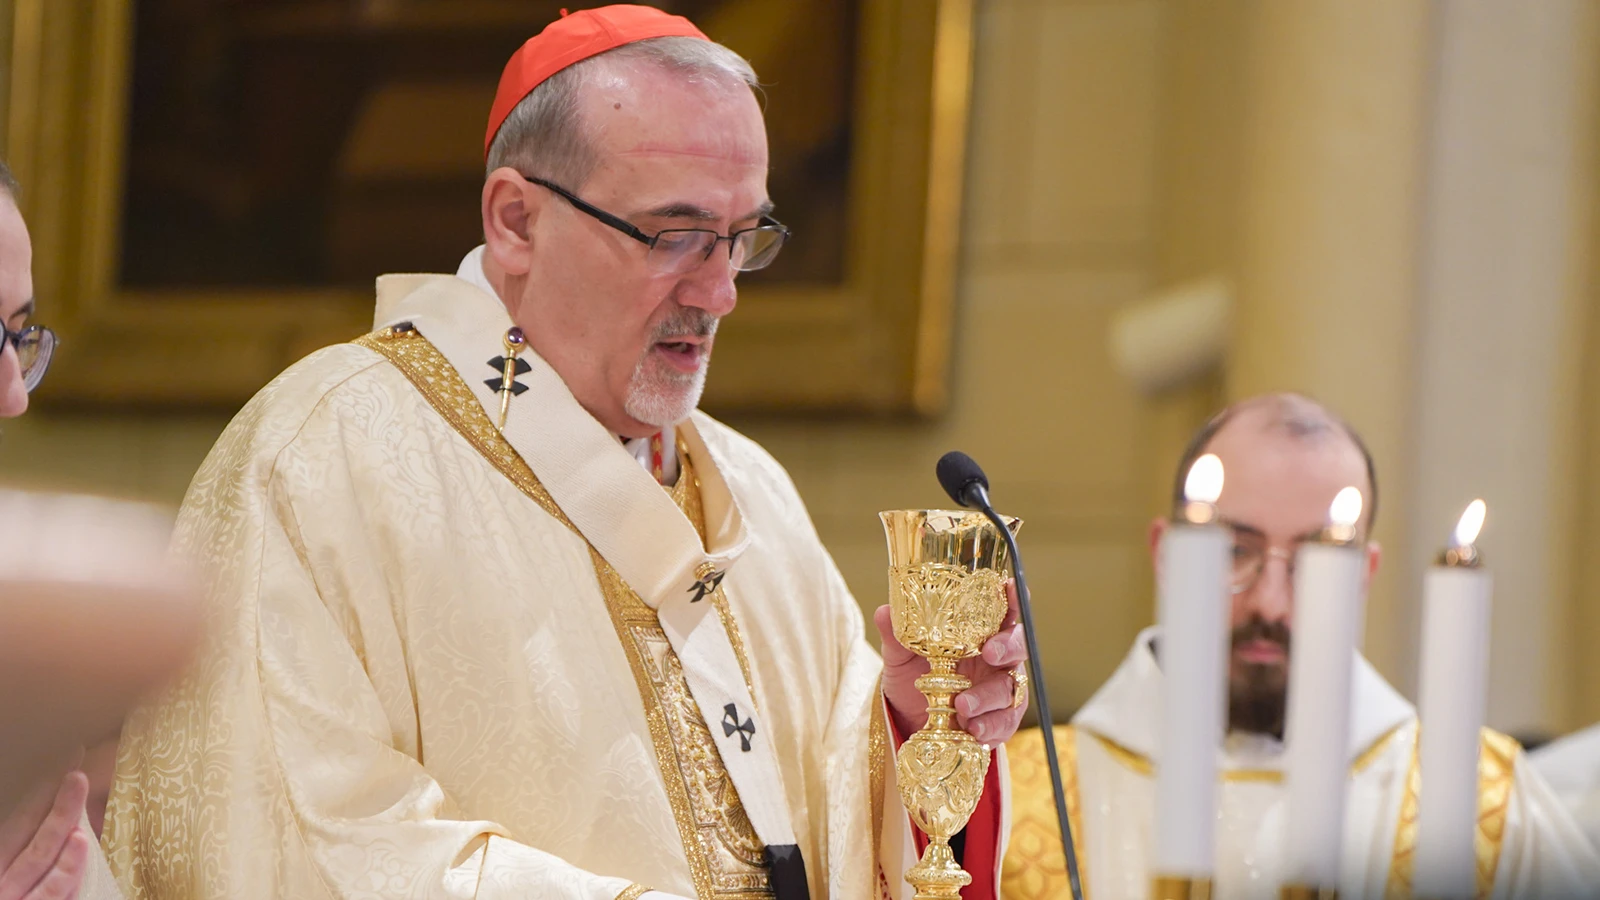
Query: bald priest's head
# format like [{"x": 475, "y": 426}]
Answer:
[{"x": 1286, "y": 457}]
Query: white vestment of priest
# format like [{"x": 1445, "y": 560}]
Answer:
[
  {"x": 1527, "y": 844},
  {"x": 451, "y": 659},
  {"x": 1572, "y": 766}
]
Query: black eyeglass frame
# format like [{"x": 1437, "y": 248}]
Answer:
[
  {"x": 766, "y": 223},
  {"x": 32, "y": 376}
]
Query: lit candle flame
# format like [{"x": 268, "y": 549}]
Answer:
[
  {"x": 1471, "y": 523},
  {"x": 1346, "y": 508},
  {"x": 1204, "y": 484}
]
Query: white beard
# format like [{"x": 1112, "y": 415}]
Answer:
[{"x": 663, "y": 397}]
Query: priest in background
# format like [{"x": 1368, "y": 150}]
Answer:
[
  {"x": 1285, "y": 457},
  {"x": 496, "y": 613}
]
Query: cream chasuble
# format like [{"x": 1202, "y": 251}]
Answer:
[
  {"x": 1527, "y": 845},
  {"x": 450, "y": 661}
]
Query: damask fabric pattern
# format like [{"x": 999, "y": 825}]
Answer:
[{"x": 412, "y": 686}]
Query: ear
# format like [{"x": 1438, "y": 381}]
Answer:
[
  {"x": 509, "y": 211},
  {"x": 1158, "y": 527}
]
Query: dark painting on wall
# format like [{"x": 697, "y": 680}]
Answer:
[
  {"x": 304, "y": 143},
  {"x": 213, "y": 184}
]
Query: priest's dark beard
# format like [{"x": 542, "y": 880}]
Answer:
[{"x": 1257, "y": 694}]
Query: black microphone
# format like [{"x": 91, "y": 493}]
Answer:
[
  {"x": 961, "y": 478},
  {"x": 964, "y": 481}
]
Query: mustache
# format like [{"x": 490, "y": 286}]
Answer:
[
  {"x": 685, "y": 320},
  {"x": 1262, "y": 630}
]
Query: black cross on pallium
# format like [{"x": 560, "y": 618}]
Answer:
[
  {"x": 497, "y": 383},
  {"x": 730, "y": 724},
  {"x": 705, "y": 586}
]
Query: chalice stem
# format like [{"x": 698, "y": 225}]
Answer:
[{"x": 940, "y": 686}]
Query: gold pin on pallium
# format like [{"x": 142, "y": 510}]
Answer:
[{"x": 514, "y": 342}]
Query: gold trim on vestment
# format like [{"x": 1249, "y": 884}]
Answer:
[
  {"x": 1141, "y": 764},
  {"x": 1496, "y": 771},
  {"x": 1169, "y": 887},
  {"x": 877, "y": 767},
  {"x": 633, "y": 892},
  {"x": 725, "y": 856}
]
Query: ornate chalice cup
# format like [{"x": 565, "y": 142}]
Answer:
[{"x": 947, "y": 598}]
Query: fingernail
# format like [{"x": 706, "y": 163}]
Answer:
[{"x": 964, "y": 705}]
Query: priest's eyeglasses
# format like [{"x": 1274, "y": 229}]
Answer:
[
  {"x": 1250, "y": 555},
  {"x": 679, "y": 250},
  {"x": 1251, "y": 551},
  {"x": 35, "y": 345}
]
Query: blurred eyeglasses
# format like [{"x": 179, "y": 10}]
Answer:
[
  {"x": 35, "y": 345},
  {"x": 679, "y": 250},
  {"x": 1250, "y": 555}
]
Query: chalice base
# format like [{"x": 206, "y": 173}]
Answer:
[{"x": 937, "y": 876}]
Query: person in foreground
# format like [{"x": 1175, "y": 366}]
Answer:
[
  {"x": 48, "y": 851},
  {"x": 495, "y": 611},
  {"x": 1285, "y": 458}
]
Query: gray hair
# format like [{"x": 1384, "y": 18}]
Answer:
[{"x": 543, "y": 135}]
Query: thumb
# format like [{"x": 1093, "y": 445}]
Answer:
[{"x": 894, "y": 652}]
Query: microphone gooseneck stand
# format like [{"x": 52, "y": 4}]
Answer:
[{"x": 966, "y": 484}]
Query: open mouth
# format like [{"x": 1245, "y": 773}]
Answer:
[{"x": 685, "y": 355}]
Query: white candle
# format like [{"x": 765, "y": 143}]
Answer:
[
  {"x": 1193, "y": 611},
  {"x": 1454, "y": 683},
  {"x": 1327, "y": 613}
]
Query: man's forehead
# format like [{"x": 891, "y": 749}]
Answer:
[
  {"x": 639, "y": 111},
  {"x": 1278, "y": 482},
  {"x": 1245, "y": 450},
  {"x": 743, "y": 153}
]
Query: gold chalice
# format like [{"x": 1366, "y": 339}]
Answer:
[{"x": 947, "y": 598}]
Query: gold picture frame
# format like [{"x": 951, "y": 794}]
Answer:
[{"x": 876, "y": 342}]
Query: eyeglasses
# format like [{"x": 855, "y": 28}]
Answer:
[
  {"x": 1250, "y": 555},
  {"x": 678, "y": 250},
  {"x": 35, "y": 345}
]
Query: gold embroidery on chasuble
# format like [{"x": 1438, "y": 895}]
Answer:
[
  {"x": 1033, "y": 865},
  {"x": 725, "y": 856},
  {"x": 1496, "y": 769}
]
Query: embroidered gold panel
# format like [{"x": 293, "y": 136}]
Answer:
[
  {"x": 1496, "y": 768},
  {"x": 724, "y": 854},
  {"x": 1033, "y": 865}
]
